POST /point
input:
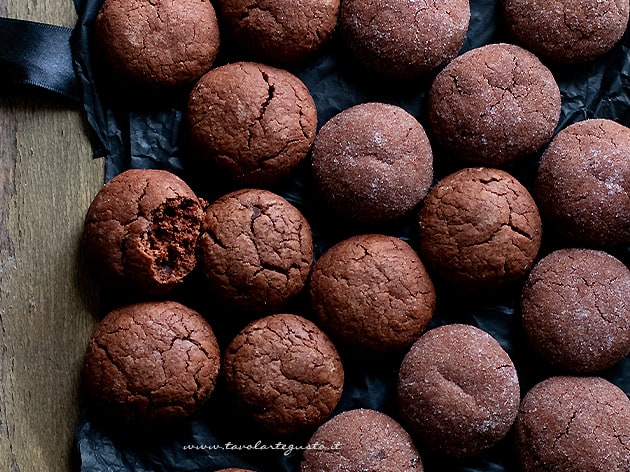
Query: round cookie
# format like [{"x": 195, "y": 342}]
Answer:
[
  {"x": 280, "y": 31},
  {"x": 254, "y": 122},
  {"x": 151, "y": 362},
  {"x": 480, "y": 229},
  {"x": 283, "y": 374},
  {"x": 574, "y": 424},
  {"x": 404, "y": 38},
  {"x": 141, "y": 231},
  {"x": 372, "y": 291},
  {"x": 158, "y": 43},
  {"x": 567, "y": 31},
  {"x": 458, "y": 391},
  {"x": 372, "y": 162},
  {"x": 576, "y": 309},
  {"x": 583, "y": 183},
  {"x": 255, "y": 250},
  {"x": 359, "y": 440},
  {"x": 494, "y": 105}
]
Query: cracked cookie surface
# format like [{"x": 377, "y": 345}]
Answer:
[
  {"x": 254, "y": 122},
  {"x": 151, "y": 362},
  {"x": 480, "y": 229},
  {"x": 494, "y": 105},
  {"x": 372, "y": 291},
  {"x": 458, "y": 390},
  {"x": 255, "y": 249},
  {"x": 284, "y": 374},
  {"x": 574, "y": 424}
]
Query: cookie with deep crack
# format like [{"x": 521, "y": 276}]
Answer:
[
  {"x": 480, "y": 229},
  {"x": 283, "y": 374},
  {"x": 158, "y": 43},
  {"x": 280, "y": 31},
  {"x": 150, "y": 363},
  {"x": 583, "y": 183},
  {"x": 495, "y": 105},
  {"x": 567, "y": 31},
  {"x": 254, "y": 122},
  {"x": 574, "y": 424},
  {"x": 372, "y": 292},
  {"x": 141, "y": 229},
  {"x": 458, "y": 391},
  {"x": 255, "y": 250}
]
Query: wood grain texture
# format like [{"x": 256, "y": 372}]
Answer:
[{"x": 47, "y": 304}]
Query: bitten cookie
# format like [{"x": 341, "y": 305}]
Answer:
[
  {"x": 404, "y": 38},
  {"x": 583, "y": 183},
  {"x": 458, "y": 391},
  {"x": 480, "y": 229},
  {"x": 372, "y": 162},
  {"x": 495, "y": 105},
  {"x": 151, "y": 362},
  {"x": 372, "y": 291},
  {"x": 358, "y": 440},
  {"x": 280, "y": 31},
  {"x": 567, "y": 30},
  {"x": 158, "y": 43},
  {"x": 255, "y": 250},
  {"x": 576, "y": 309},
  {"x": 283, "y": 374},
  {"x": 574, "y": 424},
  {"x": 253, "y": 121},
  {"x": 141, "y": 231}
]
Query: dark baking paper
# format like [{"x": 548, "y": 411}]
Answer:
[{"x": 146, "y": 130}]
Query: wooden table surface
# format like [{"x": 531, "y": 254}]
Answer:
[{"x": 47, "y": 304}]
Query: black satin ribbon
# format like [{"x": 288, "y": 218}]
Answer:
[{"x": 37, "y": 55}]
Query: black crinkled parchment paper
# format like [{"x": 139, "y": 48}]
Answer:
[{"x": 146, "y": 130}]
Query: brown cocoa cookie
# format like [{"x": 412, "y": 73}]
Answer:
[
  {"x": 280, "y": 31},
  {"x": 151, "y": 362},
  {"x": 253, "y": 121},
  {"x": 141, "y": 231},
  {"x": 404, "y": 38},
  {"x": 574, "y": 424},
  {"x": 158, "y": 43},
  {"x": 494, "y": 105},
  {"x": 567, "y": 30},
  {"x": 583, "y": 183},
  {"x": 458, "y": 391},
  {"x": 372, "y": 291},
  {"x": 283, "y": 374},
  {"x": 255, "y": 250},
  {"x": 372, "y": 162},
  {"x": 359, "y": 440},
  {"x": 576, "y": 309},
  {"x": 480, "y": 229}
]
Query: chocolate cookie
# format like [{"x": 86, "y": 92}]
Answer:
[
  {"x": 495, "y": 105},
  {"x": 255, "y": 249},
  {"x": 372, "y": 291},
  {"x": 280, "y": 31},
  {"x": 141, "y": 231},
  {"x": 479, "y": 229},
  {"x": 283, "y": 374},
  {"x": 404, "y": 38},
  {"x": 583, "y": 183},
  {"x": 458, "y": 391},
  {"x": 574, "y": 424},
  {"x": 151, "y": 362},
  {"x": 158, "y": 43},
  {"x": 567, "y": 30},
  {"x": 576, "y": 309},
  {"x": 254, "y": 122},
  {"x": 358, "y": 440},
  {"x": 372, "y": 162}
]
